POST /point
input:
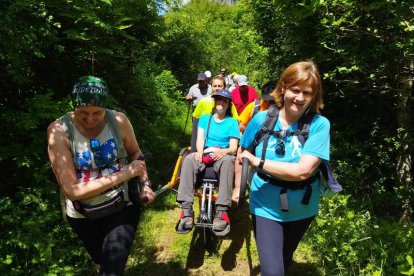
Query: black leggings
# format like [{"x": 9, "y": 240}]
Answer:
[
  {"x": 276, "y": 242},
  {"x": 108, "y": 240}
]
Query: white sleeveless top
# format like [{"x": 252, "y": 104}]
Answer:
[{"x": 87, "y": 170}]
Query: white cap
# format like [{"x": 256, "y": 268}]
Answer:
[
  {"x": 208, "y": 74},
  {"x": 242, "y": 80}
]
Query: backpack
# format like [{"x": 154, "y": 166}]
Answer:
[
  {"x": 117, "y": 203},
  {"x": 329, "y": 185}
]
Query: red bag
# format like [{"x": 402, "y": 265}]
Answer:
[{"x": 207, "y": 157}]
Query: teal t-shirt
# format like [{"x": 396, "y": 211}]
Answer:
[
  {"x": 219, "y": 133},
  {"x": 265, "y": 197}
]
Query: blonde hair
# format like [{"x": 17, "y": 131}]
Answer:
[{"x": 298, "y": 73}]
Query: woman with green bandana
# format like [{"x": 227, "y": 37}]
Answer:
[{"x": 92, "y": 172}]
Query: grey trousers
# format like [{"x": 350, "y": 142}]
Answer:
[{"x": 189, "y": 170}]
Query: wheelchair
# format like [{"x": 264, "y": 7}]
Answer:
[{"x": 206, "y": 191}]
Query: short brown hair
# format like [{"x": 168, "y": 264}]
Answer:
[
  {"x": 300, "y": 72},
  {"x": 221, "y": 78}
]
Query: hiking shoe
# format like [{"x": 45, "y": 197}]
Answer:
[
  {"x": 186, "y": 222},
  {"x": 221, "y": 223}
]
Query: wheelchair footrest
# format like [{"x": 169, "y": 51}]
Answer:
[{"x": 204, "y": 225}]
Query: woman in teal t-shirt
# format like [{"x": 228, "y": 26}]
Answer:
[
  {"x": 280, "y": 215},
  {"x": 218, "y": 134}
]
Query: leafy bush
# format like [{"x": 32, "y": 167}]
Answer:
[
  {"x": 35, "y": 238},
  {"x": 351, "y": 242}
]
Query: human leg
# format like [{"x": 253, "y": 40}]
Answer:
[
  {"x": 269, "y": 240},
  {"x": 91, "y": 235},
  {"x": 293, "y": 233},
  {"x": 185, "y": 196},
  {"x": 119, "y": 232},
  {"x": 225, "y": 167},
  {"x": 108, "y": 239},
  {"x": 188, "y": 176}
]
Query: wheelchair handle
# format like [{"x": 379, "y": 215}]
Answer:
[{"x": 243, "y": 182}]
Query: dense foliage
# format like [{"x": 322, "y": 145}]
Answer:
[
  {"x": 206, "y": 36},
  {"x": 363, "y": 48},
  {"x": 44, "y": 47},
  {"x": 365, "y": 52}
]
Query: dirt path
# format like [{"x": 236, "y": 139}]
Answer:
[{"x": 174, "y": 254}]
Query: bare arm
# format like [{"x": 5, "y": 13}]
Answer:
[
  {"x": 199, "y": 144},
  {"x": 287, "y": 171},
  {"x": 130, "y": 142}
]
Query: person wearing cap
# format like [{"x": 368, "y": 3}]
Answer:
[
  {"x": 206, "y": 106},
  {"x": 257, "y": 105},
  {"x": 91, "y": 172},
  {"x": 244, "y": 118},
  {"x": 199, "y": 90},
  {"x": 218, "y": 135},
  {"x": 235, "y": 78},
  {"x": 208, "y": 74},
  {"x": 243, "y": 94}
]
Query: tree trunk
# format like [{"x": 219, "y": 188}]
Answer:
[{"x": 404, "y": 164}]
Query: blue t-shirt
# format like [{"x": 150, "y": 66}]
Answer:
[
  {"x": 265, "y": 197},
  {"x": 219, "y": 134}
]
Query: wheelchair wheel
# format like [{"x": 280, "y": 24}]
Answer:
[
  {"x": 206, "y": 231},
  {"x": 243, "y": 184}
]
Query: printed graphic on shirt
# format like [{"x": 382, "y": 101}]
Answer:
[
  {"x": 295, "y": 144},
  {"x": 108, "y": 155}
]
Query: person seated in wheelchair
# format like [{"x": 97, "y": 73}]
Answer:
[{"x": 218, "y": 136}]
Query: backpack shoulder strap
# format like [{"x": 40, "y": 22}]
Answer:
[
  {"x": 304, "y": 126},
  {"x": 67, "y": 125},
  {"x": 256, "y": 106},
  {"x": 114, "y": 128},
  {"x": 267, "y": 127}
]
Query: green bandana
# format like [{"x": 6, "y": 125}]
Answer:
[{"x": 89, "y": 91}]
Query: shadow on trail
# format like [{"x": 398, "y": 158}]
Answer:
[
  {"x": 198, "y": 250},
  {"x": 152, "y": 268},
  {"x": 240, "y": 233}
]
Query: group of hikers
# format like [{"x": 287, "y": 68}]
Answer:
[{"x": 96, "y": 158}]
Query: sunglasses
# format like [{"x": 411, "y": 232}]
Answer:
[
  {"x": 280, "y": 148},
  {"x": 97, "y": 153}
]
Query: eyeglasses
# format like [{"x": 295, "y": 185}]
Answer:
[
  {"x": 280, "y": 149},
  {"x": 97, "y": 153}
]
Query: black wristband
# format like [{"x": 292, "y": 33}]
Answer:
[
  {"x": 261, "y": 164},
  {"x": 146, "y": 183}
]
